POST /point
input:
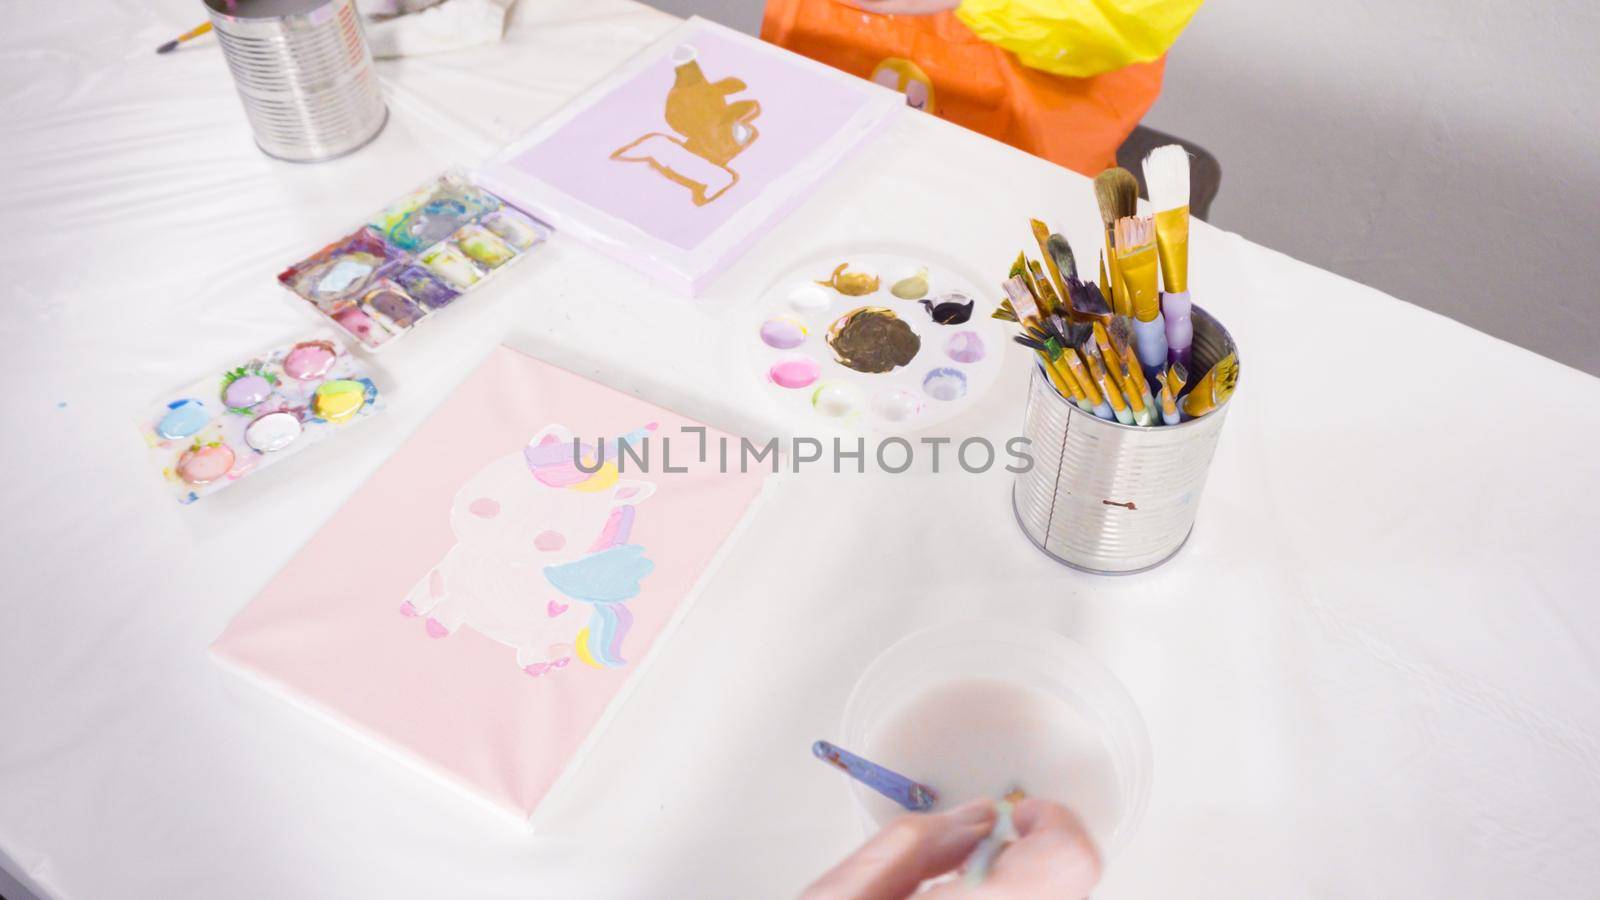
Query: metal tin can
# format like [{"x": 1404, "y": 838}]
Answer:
[
  {"x": 304, "y": 73},
  {"x": 1111, "y": 498}
]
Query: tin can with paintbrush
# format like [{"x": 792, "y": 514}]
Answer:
[
  {"x": 1111, "y": 498},
  {"x": 304, "y": 74}
]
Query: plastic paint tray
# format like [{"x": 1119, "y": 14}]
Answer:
[
  {"x": 251, "y": 415},
  {"x": 928, "y": 370},
  {"x": 412, "y": 259}
]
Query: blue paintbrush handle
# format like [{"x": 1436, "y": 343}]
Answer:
[
  {"x": 1150, "y": 341},
  {"x": 902, "y": 790},
  {"x": 1175, "y": 310}
]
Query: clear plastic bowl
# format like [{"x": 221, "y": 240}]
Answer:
[{"x": 969, "y": 661}]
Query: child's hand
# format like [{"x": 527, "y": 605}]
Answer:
[{"x": 1053, "y": 857}]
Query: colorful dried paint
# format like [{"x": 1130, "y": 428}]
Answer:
[
  {"x": 449, "y": 263},
  {"x": 361, "y": 326},
  {"x": 897, "y": 405},
  {"x": 836, "y": 399},
  {"x": 951, "y": 309},
  {"x": 330, "y": 276},
  {"x": 309, "y": 360},
  {"x": 872, "y": 339},
  {"x": 885, "y": 321},
  {"x": 205, "y": 464},
  {"x": 911, "y": 287},
  {"x": 795, "y": 373},
  {"x": 514, "y": 228},
  {"x": 433, "y": 212},
  {"x": 809, "y": 298},
  {"x": 243, "y": 389},
  {"x": 338, "y": 401},
  {"x": 783, "y": 333},
  {"x": 965, "y": 347},
  {"x": 945, "y": 384},
  {"x": 267, "y": 408},
  {"x": 273, "y": 431},
  {"x": 418, "y": 282},
  {"x": 390, "y": 304},
  {"x": 413, "y": 258},
  {"x": 851, "y": 284},
  {"x": 182, "y": 419},
  {"x": 484, "y": 247}
]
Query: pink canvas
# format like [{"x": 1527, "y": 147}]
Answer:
[
  {"x": 482, "y": 600},
  {"x": 796, "y": 109}
]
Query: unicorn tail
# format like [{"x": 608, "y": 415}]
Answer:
[{"x": 599, "y": 644}]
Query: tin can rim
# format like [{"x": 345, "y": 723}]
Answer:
[{"x": 1196, "y": 310}]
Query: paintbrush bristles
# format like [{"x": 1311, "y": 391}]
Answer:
[
  {"x": 1166, "y": 174},
  {"x": 1121, "y": 333},
  {"x": 1134, "y": 232},
  {"x": 1117, "y": 193},
  {"x": 1087, "y": 299}
]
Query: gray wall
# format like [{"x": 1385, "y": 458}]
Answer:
[{"x": 1444, "y": 151}]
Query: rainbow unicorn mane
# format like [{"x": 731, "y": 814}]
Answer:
[{"x": 609, "y": 574}]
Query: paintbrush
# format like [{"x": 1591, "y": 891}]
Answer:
[
  {"x": 189, "y": 35},
  {"x": 1166, "y": 171},
  {"x": 1171, "y": 385},
  {"x": 1023, "y": 304},
  {"x": 1044, "y": 335},
  {"x": 1004, "y": 832},
  {"x": 1085, "y": 382},
  {"x": 1048, "y": 301},
  {"x": 1136, "y": 260},
  {"x": 1122, "y": 377},
  {"x": 1120, "y": 331},
  {"x": 1087, "y": 301},
  {"x": 1061, "y": 252},
  {"x": 1213, "y": 389},
  {"x": 912, "y": 795},
  {"x": 1006, "y": 310},
  {"x": 1041, "y": 234},
  {"x": 1050, "y": 358},
  {"x": 1112, "y": 393},
  {"x": 1177, "y": 375},
  {"x": 1117, "y": 193},
  {"x": 1072, "y": 334}
]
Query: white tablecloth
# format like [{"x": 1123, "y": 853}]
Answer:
[{"x": 1372, "y": 672}]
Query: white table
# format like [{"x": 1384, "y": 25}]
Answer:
[{"x": 1372, "y": 672}]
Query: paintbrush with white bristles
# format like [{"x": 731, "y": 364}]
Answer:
[{"x": 1166, "y": 173}]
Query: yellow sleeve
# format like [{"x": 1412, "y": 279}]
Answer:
[{"x": 1079, "y": 38}]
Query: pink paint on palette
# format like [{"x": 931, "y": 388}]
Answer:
[
  {"x": 256, "y": 412},
  {"x": 484, "y": 561}
]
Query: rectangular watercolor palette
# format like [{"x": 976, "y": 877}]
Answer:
[
  {"x": 483, "y": 605},
  {"x": 412, "y": 259},
  {"x": 246, "y": 417},
  {"x": 685, "y": 154}
]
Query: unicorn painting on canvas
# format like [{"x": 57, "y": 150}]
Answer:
[{"x": 542, "y": 561}]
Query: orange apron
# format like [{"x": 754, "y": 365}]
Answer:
[{"x": 942, "y": 66}]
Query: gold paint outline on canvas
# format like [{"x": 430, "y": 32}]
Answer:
[{"x": 711, "y": 131}]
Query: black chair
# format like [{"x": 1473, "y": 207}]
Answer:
[{"x": 1205, "y": 173}]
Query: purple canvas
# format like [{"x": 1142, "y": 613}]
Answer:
[{"x": 798, "y": 110}]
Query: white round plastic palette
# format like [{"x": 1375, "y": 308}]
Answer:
[{"x": 952, "y": 367}]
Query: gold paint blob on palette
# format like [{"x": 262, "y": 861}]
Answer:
[{"x": 875, "y": 342}]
